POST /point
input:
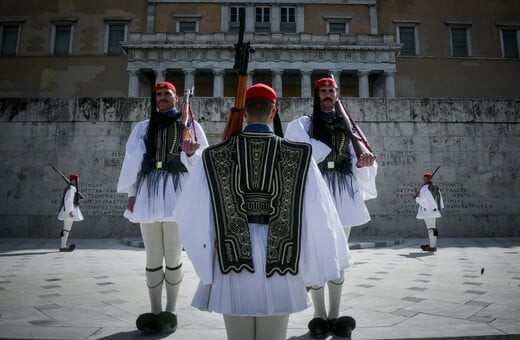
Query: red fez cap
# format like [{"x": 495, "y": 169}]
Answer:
[
  {"x": 164, "y": 85},
  {"x": 325, "y": 82},
  {"x": 261, "y": 91},
  {"x": 73, "y": 176},
  {"x": 429, "y": 175}
]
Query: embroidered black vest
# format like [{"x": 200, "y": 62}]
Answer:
[
  {"x": 436, "y": 193},
  {"x": 256, "y": 177},
  {"x": 329, "y": 130},
  {"x": 167, "y": 151}
]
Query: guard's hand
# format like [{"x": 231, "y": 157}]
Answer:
[
  {"x": 366, "y": 159},
  {"x": 189, "y": 147},
  {"x": 71, "y": 214},
  {"x": 131, "y": 203}
]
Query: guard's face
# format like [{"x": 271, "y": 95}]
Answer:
[
  {"x": 165, "y": 99},
  {"x": 328, "y": 97}
]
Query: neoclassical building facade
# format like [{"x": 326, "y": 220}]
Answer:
[
  {"x": 293, "y": 46},
  {"x": 376, "y": 48}
]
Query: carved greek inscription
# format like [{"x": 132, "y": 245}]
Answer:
[
  {"x": 398, "y": 158},
  {"x": 457, "y": 199},
  {"x": 100, "y": 200}
]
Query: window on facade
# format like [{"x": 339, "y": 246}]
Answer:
[
  {"x": 288, "y": 19},
  {"x": 188, "y": 26},
  {"x": 9, "y": 39},
  {"x": 459, "y": 42},
  {"x": 510, "y": 43},
  {"x": 116, "y": 34},
  {"x": 234, "y": 24},
  {"x": 263, "y": 19},
  {"x": 407, "y": 38},
  {"x": 337, "y": 27},
  {"x": 62, "y": 39}
]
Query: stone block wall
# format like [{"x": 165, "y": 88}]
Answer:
[{"x": 476, "y": 141}]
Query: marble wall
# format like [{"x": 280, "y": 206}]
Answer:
[{"x": 476, "y": 142}]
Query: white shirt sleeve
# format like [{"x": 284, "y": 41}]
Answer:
[
  {"x": 365, "y": 177},
  {"x": 425, "y": 199},
  {"x": 298, "y": 131},
  {"x": 189, "y": 162},
  {"x": 194, "y": 215},
  {"x": 135, "y": 150},
  {"x": 68, "y": 200}
]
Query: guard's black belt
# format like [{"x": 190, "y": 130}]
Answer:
[{"x": 260, "y": 219}]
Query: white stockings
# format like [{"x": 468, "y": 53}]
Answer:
[
  {"x": 256, "y": 328},
  {"x": 162, "y": 245}
]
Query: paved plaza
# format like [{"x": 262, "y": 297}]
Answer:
[{"x": 468, "y": 289}]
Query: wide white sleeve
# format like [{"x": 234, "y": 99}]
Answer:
[
  {"x": 298, "y": 131},
  {"x": 426, "y": 199},
  {"x": 135, "y": 149},
  {"x": 194, "y": 215},
  {"x": 365, "y": 177},
  {"x": 324, "y": 250},
  {"x": 68, "y": 200},
  {"x": 189, "y": 162}
]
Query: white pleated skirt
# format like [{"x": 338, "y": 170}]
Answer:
[
  {"x": 348, "y": 199},
  {"x": 156, "y": 197},
  {"x": 252, "y": 294}
]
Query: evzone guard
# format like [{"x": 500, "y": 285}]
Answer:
[
  {"x": 160, "y": 153},
  {"x": 69, "y": 210},
  {"x": 258, "y": 240},
  {"x": 349, "y": 169}
]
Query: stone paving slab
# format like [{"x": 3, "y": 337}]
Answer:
[{"x": 469, "y": 289}]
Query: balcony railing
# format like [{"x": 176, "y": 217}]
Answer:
[{"x": 289, "y": 40}]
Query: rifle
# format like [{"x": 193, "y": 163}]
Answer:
[
  {"x": 235, "y": 117},
  {"x": 419, "y": 190},
  {"x": 352, "y": 130},
  {"x": 187, "y": 114},
  {"x": 66, "y": 179}
]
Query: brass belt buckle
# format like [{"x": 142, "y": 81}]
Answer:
[
  {"x": 158, "y": 165},
  {"x": 330, "y": 165}
]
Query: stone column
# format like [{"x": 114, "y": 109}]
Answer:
[
  {"x": 218, "y": 82},
  {"x": 300, "y": 15},
  {"x": 337, "y": 75},
  {"x": 160, "y": 74},
  {"x": 189, "y": 78},
  {"x": 275, "y": 18},
  {"x": 224, "y": 18},
  {"x": 133, "y": 83},
  {"x": 306, "y": 89},
  {"x": 250, "y": 74},
  {"x": 389, "y": 83},
  {"x": 277, "y": 82},
  {"x": 150, "y": 17},
  {"x": 373, "y": 19},
  {"x": 250, "y": 18},
  {"x": 363, "y": 83}
]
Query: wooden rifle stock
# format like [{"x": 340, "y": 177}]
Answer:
[
  {"x": 359, "y": 141},
  {"x": 67, "y": 180},
  {"x": 187, "y": 114},
  {"x": 235, "y": 117}
]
